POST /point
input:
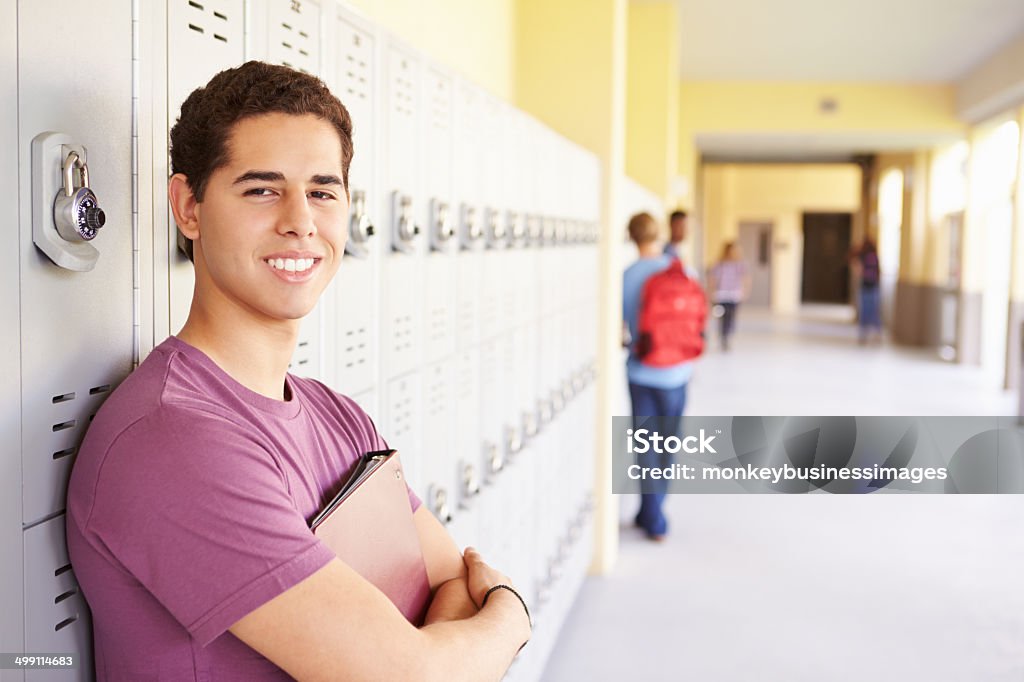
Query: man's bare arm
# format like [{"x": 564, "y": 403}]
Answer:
[{"x": 337, "y": 626}]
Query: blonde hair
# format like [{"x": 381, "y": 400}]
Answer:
[{"x": 643, "y": 228}]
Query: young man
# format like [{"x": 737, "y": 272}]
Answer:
[
  {"x": 677, "y": 233},
  {"x": 653, "y": 391},
  {"x": 189, "y": 502}
]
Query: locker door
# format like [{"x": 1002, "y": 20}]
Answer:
[
  {"x": 202, "y": 39},
  {"x": 354, "y": 294},
  {"x": 75, "y": 328},
  {"x": 437, "y": 458},
  {"x": 438, "y": 289},
  {"x": 401, "y": 285},
  {"x": 467, "y": 157},
  {"x": 293, "y": 34},
  {"x": 57, "y": 619},
  {"x": 465, "y": 465},
  {"x": 402, "y": 427}
]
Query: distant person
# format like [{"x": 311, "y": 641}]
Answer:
[
  {"x": 729, "y": 282},
  {"x": 676, "y": 233},
  {"x": 658, "y": 391},
  {"x": 865, "y": 263}
]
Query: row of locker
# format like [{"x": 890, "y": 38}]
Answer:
[{"x": 471, "y": 254}]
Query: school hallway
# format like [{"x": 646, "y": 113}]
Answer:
[{"x": 826, "y": 587}]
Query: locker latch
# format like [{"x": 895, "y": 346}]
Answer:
[
  {"x": 516, "y": 229},
  {"x": 495, "y": 229},
  {"x": 495, "y": 460},
  {"x": 360, "y": 228},
  {"x": 534, "y": 229},
  {"x": 470, "y": 484},
  {"x": 513, "y": 440},
  {"x": 441, "y": 230},
  {"x": 404, "y": 228},
  {"x": 471, "y": 231},
  {"x": 439, "y": 505},
  {"x": 66, "y": 214}
]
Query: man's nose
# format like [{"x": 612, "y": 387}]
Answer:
[{"x": 296, "y": 217}]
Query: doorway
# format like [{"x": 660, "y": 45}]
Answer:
[
  {"x": 756, "y": 248},
  {"x": 826, "y": 271}
]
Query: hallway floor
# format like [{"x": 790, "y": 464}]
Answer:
[{"x": 884, "y": 588}]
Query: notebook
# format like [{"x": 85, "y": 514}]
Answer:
[{"x": 369, "y": 525}]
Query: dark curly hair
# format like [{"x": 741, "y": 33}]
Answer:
[{"x": 199, "y": 137}]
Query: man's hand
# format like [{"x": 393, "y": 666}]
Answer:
[
  {"x": 451, "y": 602},
  {"x": 482, "y": 578}
]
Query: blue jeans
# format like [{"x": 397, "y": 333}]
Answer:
[
  {"x": 667, "y": 403},
  {"x": 870, "y": 307}
]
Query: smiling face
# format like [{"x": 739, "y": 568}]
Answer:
[{"x": 271, "y": 229}]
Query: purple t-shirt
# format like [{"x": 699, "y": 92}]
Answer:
[{"x": 188, "y": 508}]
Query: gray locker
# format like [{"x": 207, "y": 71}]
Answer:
[
  {"x": 401, "y": 267},
  {"x": 437, "y": 458},
  {"x": 293, "y": 34},
  {"x": 437, "y": 215},
  {"x": 57, "y": 619},
  {"x": 11, "y": 571},
  {"x": 403, "y": 427},
  {"x": 88, "y": 100},
  {"x": 355, "y": 298}
]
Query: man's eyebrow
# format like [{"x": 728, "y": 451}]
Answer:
[
  {"x": 326, "y": 180},
  {"x": 262, "y": 176}
]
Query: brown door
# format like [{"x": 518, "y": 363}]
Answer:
[{"x": 826, "y": 272}]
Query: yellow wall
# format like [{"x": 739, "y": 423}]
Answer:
[
  {"x": 757, "y": 107},
  {"x": 790, "y": 108},
  {"x": 475, "y": 38},
  {"x": 777, "y": 193},
  {"x": 1017, "y": 283},
  {"x": 652, "y": 96}
]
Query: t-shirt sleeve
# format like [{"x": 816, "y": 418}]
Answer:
[{"x": 197, "y": 510}]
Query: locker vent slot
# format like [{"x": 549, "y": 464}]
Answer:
[
  {"x": 192, "y": 3},
  {"x": 60, "y": 454},
  {"x": 64, "y": 623},
  {"x": 220, "y": 37},
  {"x": 62, "y": 570},
  {"x": 63, "y": 398},
  {"x": 99, "y": 389},
  {"x": 197, "y": 29},
  {"x": 66, "y": 595},
  {"x": 220, "y": 16},
  {"x": 64, "y": 426}
]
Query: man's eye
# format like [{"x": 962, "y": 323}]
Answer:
[
  {"x": 258, "y": 192},
  {"x": 322, "y": 195}
]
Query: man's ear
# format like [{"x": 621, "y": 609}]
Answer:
[{"x": 184, "y": 206}]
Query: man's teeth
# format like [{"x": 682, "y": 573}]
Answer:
[{"x": 291, "y": 264}]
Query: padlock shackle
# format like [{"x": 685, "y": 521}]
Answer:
[{"x": 69, "y": 168}]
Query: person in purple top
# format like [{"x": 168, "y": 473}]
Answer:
[
  {"x": 729, "y": 283},
  {"x": 189, "y": 502}
]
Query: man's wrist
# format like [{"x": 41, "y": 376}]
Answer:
[{"x": 510, "y": 594}]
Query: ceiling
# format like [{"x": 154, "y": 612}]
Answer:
[{"x": 843, "y": 40}]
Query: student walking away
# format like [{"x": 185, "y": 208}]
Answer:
[
  {"x": 664, "y": 310},
  {"x": 190, "y": 500},
  {"x": 729, "y": 281},
  {"x": 676, "y": 233},
  {"x": 865, "y": 263}
]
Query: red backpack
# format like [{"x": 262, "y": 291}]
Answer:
[{"x": 673, "y": 310}]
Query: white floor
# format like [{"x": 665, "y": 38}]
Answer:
[{"x": 894, "y": 588}]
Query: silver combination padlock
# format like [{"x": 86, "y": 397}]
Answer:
[{"x": 76, "y": 211}]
